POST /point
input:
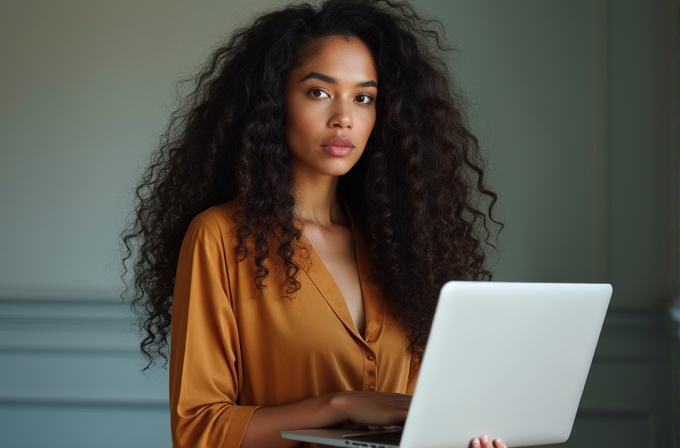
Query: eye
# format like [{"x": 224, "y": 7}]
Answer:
[
  {"x": 319, "y": 93},
  {"x": 364, "y": 99}
]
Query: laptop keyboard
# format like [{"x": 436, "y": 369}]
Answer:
[{"x": 378, "y": 438}]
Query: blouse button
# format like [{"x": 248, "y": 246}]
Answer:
[{"x": 370, "y": 357}]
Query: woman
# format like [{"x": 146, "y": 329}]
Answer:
[{"x": 298, "y": 221}]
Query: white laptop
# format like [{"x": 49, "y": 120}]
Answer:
[{"x": 508, "y": 360}]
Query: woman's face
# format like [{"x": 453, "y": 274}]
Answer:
[{"x": 330, "y": 107}]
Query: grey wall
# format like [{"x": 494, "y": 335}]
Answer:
[
  {"x": 573, "y": 100},
  {"x": 87, "y": 88}
]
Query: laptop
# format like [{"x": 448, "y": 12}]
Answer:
[{"x": 508, "y": 360}]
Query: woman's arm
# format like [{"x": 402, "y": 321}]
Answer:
[{"x": 364, "y": 408}]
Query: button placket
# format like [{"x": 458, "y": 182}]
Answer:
[{"x": 370, "y": 370}]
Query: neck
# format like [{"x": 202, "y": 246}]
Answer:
[{"x": 317, "y": 201}]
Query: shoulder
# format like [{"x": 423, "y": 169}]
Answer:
[
  {"x": 218, "y": 219},
  {"x": 214, "y": 224}
]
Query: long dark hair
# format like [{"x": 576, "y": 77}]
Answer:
[{"x": 417, "y": 192}]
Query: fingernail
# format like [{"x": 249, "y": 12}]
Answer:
[{"x": 484, "y": 439}]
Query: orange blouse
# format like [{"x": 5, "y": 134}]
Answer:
[{"x": 235, "y": 348}]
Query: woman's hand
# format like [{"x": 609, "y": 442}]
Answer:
[
  {"x": 484, "y": 442},
  {"x": 372, "y": 408}
]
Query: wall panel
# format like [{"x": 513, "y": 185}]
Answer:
[
  {"x": 60, "y": 375},
  {"x": 71, "y": 377}
]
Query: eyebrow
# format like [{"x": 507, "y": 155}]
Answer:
[{"x": 328, "y": 79}]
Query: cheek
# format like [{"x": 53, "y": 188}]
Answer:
[
  {"x": 298, "y": 125},
  {"x": 369, "y": 124},
  {"x": 295, "y": 134}
]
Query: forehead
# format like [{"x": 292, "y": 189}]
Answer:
[{"x": 344, "y": 55}]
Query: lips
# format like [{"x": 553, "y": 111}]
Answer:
[{"x": 338, "y": 146}]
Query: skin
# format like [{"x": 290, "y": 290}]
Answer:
[{"x": 331, "y": 94}]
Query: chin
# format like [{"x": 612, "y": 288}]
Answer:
[
  {"x": 339, "y": 170},
  {"x": 331, "y": 168}
]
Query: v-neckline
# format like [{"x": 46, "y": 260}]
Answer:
[{"x": 320, "y": 276}]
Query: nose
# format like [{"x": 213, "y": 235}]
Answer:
[{"x": 341, "y": 115}]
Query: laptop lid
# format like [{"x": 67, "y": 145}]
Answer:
[{"x": 509, "y": 360}]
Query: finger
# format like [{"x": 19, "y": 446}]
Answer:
[
  {"x": 474, "y": 443},
  {"x": 484, "y": 441},
  {"x": 498, "y": 443}
]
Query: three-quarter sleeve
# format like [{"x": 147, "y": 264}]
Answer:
[
  {"x": 413, "y": 371},
  {"x": 205, "y": 357}
]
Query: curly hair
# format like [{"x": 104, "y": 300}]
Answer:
[{"x": 418, "y": 191}]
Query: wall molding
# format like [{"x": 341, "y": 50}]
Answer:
[
  {"x": 74, "y": 352},
  {"x": 636, "y": 336},
  {"x": 92, "y": 341},
  {"x": 670, "y": 18},
  {"x": 94, "y": 403},
  {"x": 66, "y": 325},
  {"x": 643, "y": 322},
  {"x": 599, "y": 145}
]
